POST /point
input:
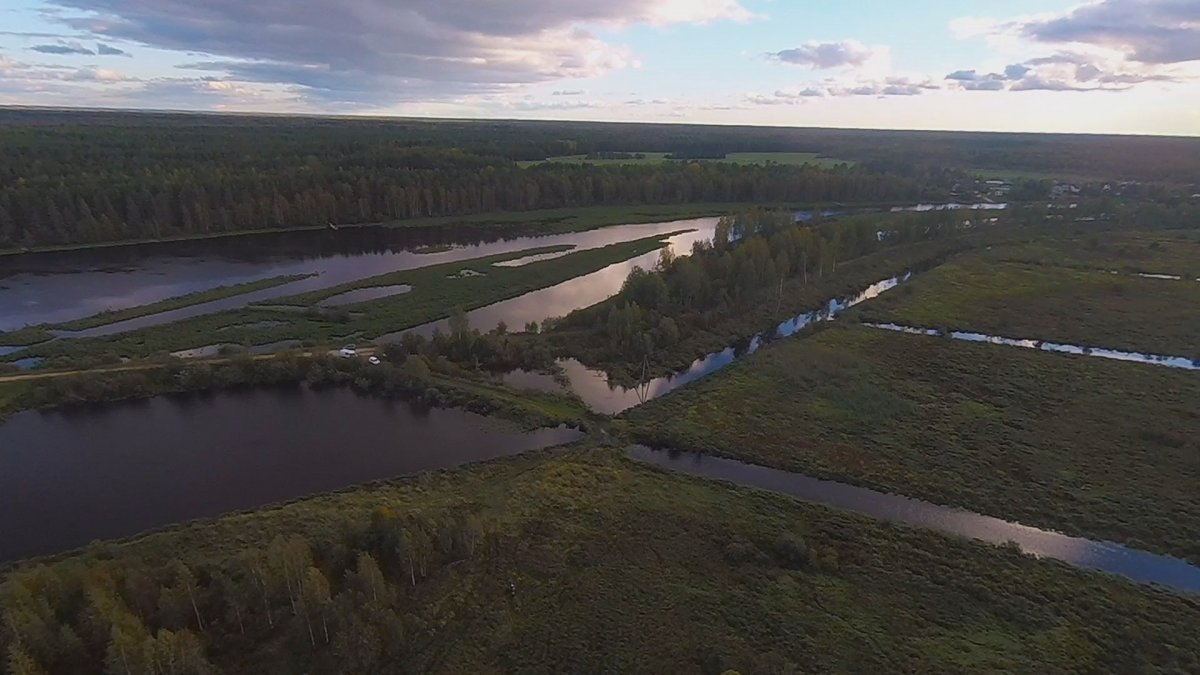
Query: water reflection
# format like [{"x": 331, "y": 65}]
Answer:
[
  {"x": 564, "y": 298},
  {"x": 1098, "y": 555},
  {"x": 58, "y": 287},
  {"x": 117, "y": 470},
  {"x": 1180, "y": 362},
  {"x": 364, "y": 295}
]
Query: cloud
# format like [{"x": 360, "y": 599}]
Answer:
[
  {"x": 826, "y": 55},
  {"x": 1148, "y": 31},
  {"x": 377, "y": 52},
  {"x": 894, "y": 85},
  {"x": 63, "y": 49},
  {"x": 105, "y": 50},
  {"x": 569, "y": 92},
  {"x": 1065, "y": 71}
]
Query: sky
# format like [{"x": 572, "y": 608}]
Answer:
[{"x": 1099, "y": 66}]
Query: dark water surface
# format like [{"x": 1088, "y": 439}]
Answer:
[
  {"x": 1097, "y": 555},
  {"x": 67, "y": 478},
  {"x": 57, "y": 287}
]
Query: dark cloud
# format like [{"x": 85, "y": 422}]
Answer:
[
  {"x": 63, "y": 49},
  {"x": 1016, "y": 71},
  {"x": 825, "y": 55},
  {"x": 105, "y": 50},
  {"x": 387, "y": 51},
  {"x": 1149, "y": 31}
]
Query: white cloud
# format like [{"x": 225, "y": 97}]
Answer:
[
  {"x": 826, "y": 55},
  {"x": 381, "y": 52}
]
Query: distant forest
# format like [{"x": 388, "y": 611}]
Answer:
[{"x": 82, "y": 177}]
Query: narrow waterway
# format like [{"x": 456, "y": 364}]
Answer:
[
  {"x": 68, "y": 478},
  {"x": 1104, "y": 556},
  {"x": 602, "y": 396},
  {"x": 1179, "y": 362}
]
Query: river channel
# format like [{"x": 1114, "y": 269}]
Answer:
[{"x": 1104, "y": 556}]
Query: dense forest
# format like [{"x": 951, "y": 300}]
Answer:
[
  {"x": 85, "y": 177},
  {"x": 131, "y": 194}
]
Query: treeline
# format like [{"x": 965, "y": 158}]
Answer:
[
  {"x": 97, "y": 137},
  {"x": 434, "y": 373},
  {"x": 82, "y": 196},
  {"x": 292, "y": 606}
]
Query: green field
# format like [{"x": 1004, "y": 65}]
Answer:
[
  {"x": 1174, "y": 252},
  {"x": 648, "y": 158},
  {"x": 586, "y": 560},
  {"x": 1087, "y": 446},
  {"x": 789, "y": 158},
  {"x": 1084, "y": 307}
]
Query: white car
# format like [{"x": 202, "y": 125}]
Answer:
[
  {"x": 349, "y": 352},
  {"x": 374, "y": 360}
]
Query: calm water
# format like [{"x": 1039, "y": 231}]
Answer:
[
  {"x": 67, "y": 478},
  {"x": 564, "y": 298},
  {"x": 1098, "y": 555},
  {"x": 364, "y": 294},
  {"x": 56, "y": 287},
  {"x": 1180, "y": 362},
  {"x": 594, "y": 388}
]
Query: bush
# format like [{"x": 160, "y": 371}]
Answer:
[{"x": 791, "y": 551}]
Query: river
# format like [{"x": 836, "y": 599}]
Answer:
[
  {"x": 67, "y": 478},
  {"x": 57, "y": 287},
  {"x": 1108, "y": 557}
]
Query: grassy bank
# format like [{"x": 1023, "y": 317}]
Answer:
[
  {"x": 586, "y": 559},
  {"x": 22, "y": 337},
  {"x": 1084, "y": 307},
  {"x": 1090, "y": 447},
  {"x": 437, "y": 290},
  {"x": 199, "y": 297}
]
